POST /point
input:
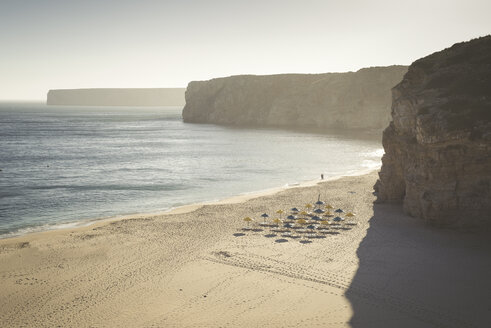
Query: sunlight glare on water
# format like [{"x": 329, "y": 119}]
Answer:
[{"x": 66, "y": 164}]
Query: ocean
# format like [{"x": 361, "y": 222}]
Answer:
[{"x": 67, "y": 166}]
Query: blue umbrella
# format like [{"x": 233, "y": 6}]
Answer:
[
  {"x": 339, "y": 211},
  {"x": 264, "y": 215},
  {"x": 337, "y": 219},
  {"x": 294, "y": 209},
  {"x": 316, "y": 218},
  {"x": 319, "y": 211},
  {"x": 319, "y": 202},
  {"x": 311, "y": 227},
  {"x": 287, "y": 225},
  {"x": 291, "y": 217}
]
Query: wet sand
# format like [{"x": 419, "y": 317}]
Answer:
[{"x": 196, "y": 267}]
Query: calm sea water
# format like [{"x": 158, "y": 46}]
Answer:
[{"x": 61, "y": 165}]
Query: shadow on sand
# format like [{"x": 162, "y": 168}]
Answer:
[{"x": 413, "y": 275}]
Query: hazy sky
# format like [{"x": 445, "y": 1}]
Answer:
[{"x": 49, "y": 44}]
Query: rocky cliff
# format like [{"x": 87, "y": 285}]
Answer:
[
  {"x": 333, "y": 100},
  {"x": 437, "y": 158},
  {"x": 117, "y": 97}
]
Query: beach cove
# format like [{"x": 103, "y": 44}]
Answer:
[
  {"x": 188, "y": 269},
  {"x": 66, "y": 166}
]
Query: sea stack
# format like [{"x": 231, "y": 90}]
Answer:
[
  {"x": 352, "y": 100},
  {"x": 437, "y": 158}
]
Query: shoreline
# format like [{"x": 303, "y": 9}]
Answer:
[
  {"x": 198, "y": 267},
  {"x": 240, "y": 198}
]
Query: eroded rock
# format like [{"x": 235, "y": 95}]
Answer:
[
  {"x": 353, "y": 100},
  {"x": 437, "y": 158}
]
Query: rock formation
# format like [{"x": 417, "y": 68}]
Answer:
[
  {"x": 437, "y": 158},
  {"x": 117, "y": 97},
  {"x": 333, "y": 100}
]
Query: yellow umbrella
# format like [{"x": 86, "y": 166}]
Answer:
[
  {"x": 324, "y": 225},
  {"x": 303, "y": 213},
  {"x": 280, "y": 212},
  {"x": 309, "y": 206},
  {"x": 247, "y": 219},
  {"x": 301, "y": 221},
  {"x": 277, "y": 221},
  {"x": 350, "y": 214},
  {"x": 329, "y": 207}
]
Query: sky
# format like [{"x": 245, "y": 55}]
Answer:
[{"x": 63, "y": 44}]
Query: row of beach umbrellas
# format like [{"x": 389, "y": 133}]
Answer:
[{"x": 318, "y": 219}]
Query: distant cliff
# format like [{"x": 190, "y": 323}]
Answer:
[
  {"x": 117, "y": 97},
  {"x": 357, "y": 100},
  {"x": 437, "y": 158}
]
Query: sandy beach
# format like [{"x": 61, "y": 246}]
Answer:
[{"x": 195, "y": 267}]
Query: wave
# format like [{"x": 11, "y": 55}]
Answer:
[
  {"x": 371, "y": 164},
  {"x": 44, "y": 227},
  {"x": 376, "y": 153},
  {"x": 148, "y": 187}
]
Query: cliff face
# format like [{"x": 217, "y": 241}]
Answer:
[
  {"x": 437, "y": 158},
  {"x": 339, "y": 100},
  {"x": 117, "y": 97}
]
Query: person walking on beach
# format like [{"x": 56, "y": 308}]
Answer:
[{"x": 322, "y": 176}]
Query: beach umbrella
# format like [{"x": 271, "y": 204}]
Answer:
[
  {"x": 319, "y": 211},
  {"x": 277, "y": 221},
  {"x": 329, "y": 207},
  {"x": 309, "y": 206},
  {"x": 287, "y": 225},
  {"x": 301, "y": 221},
  {"x": 294, "y": 209},
  {"x": 319, "y": 203},
  {"x": 280, "y": 212},
  {"x": 247, "y": 219},
  {"x": 337, "y": 219},
  {"x": 350, "y": 214},
  {"x": 264, "y": 215},
  {"x": 339, "y": 211},
  {"x": 316, "y": 218},
  {"x": 304, "y": 213},
  {"x": 324, "y": 225},
  {"x": 311, "y": 227},
  {"x": 291, "y": 217}
]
